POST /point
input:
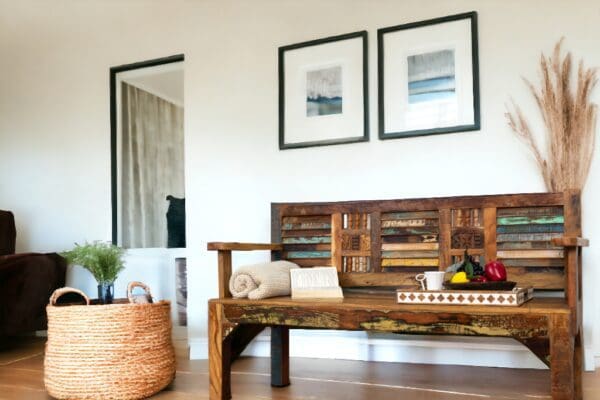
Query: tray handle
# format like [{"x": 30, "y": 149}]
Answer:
[
  {"x": 59, "y": 292},
  {"x": 133, "y": 285}
]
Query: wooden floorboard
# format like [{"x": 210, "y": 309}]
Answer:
[{"x": 21, "y": 377}]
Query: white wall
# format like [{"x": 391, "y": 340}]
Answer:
[{"x": 54, "y": 116}]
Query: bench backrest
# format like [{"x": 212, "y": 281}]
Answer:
[{"x": 387, "y": 242}]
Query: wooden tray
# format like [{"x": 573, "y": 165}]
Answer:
[
  {"x": 502, "y": 285},
  {"x": 513, "y": 298}
]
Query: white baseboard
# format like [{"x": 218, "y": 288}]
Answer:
[{"x": 361, "y": 346}]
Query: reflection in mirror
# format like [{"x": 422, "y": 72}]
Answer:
[{"x": 148, "y": 154}]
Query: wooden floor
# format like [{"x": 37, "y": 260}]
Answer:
[{"x": 21, "y": 377}]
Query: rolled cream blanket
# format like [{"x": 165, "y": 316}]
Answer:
[{"x": 260, "y": 281}]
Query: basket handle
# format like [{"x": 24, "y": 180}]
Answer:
[
  {"x": 133, "y": 285},
  {"x": 59, "y": 292}
]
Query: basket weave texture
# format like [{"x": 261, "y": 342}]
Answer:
[{"x": 113, "y": 351}]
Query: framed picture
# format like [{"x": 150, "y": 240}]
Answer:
[
  {"x": 323, "y": 92},
  {"x": 428, "y": 77}
]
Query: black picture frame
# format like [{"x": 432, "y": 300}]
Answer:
[
  {"x": 476, "y": 125},
  {"x": 365, "y": 88},
  {"x": 113, "y": 128}
]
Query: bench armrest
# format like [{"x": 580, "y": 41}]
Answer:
[
  {"x": 570, "y": 241},
  {"x": 243, "y": 246},
  {"x": 224, "y": 250}
]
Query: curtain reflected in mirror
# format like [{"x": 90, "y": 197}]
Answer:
[{"x": 148, "y": 156}]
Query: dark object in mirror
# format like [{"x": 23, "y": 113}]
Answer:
[{"x": 176, "y": 222}]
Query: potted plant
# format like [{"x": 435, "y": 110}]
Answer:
[{"x": 103, "y": 260}]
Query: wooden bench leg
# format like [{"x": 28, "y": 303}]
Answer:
[
  {"x": 219, "y": 355},
  {"x": 280, "y": 356},
  {"x": 578, "y": 364},
  {"x": 562, "y": 357}
]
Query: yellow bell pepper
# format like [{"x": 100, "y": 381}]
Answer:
[{"x": 459, "y": 277}]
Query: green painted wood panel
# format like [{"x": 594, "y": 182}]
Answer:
[
  {"x": 548, "y": 219},
  {"x": 527, "y": 237},
  {"x": 307, "y": 225},
  {"x": 307, "y": 240},
  {"x": 529, "y": 211},
  {"x": 308, "y": 254},
  {"x": 432, "y": 230},
  {"x": 530, "y": 228},
  {"x": 410, "y": 215}
]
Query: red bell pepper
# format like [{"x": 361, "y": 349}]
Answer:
[{"x": 495, "y": 271}]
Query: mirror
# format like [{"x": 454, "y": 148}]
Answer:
[{"x": 147, "y": 154}]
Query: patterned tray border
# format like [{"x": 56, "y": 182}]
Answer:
[{"x": 466, "y": 297}]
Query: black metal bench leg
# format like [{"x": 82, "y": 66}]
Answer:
[{"x": 280, "y": 356}]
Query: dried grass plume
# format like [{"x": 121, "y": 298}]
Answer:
[{"x": 570, "y": 120}]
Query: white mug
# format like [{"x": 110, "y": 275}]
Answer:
[{"x": 434, "y": 279}]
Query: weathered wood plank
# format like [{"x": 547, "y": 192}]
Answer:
[
  {"x": 312, "y": 262},
  {"x": 562, "y": 357},
  {"x": 423, "y": 204},
  {"x": 410, "y": 262},
  {"x": 306, "y": 254},
  {"x": 445, "y": 238},
  {"x": 307, "y": 247},
  {"x": 531, "y": 220},
  {"x": 490, "y": 244},
  {"x": 224, "y": 262},
  {"x": 527, "y": 246},
  {"x": 545, "y": 278},
  {"x": 467, "y": 217},
  {"x": 300, "y": 219},
  {"x": 572, "y": 199},
  {"x": 409, "y": 246},
  {"x": 405, "y": 223},
  {"x": 410, "y": 231},
  {"x": 410, "y": 254},
  {"x": 534, "y": 262},
  {"x": 531, "y": 254},
  {"x": 306, "y": 233},
  {"x": 219, "y": 355},
  {"x": 376, "y": 241},
  {"x": 336, "y": 245},
  {"x": 409, "y": 215},
  {"x": 578, "y": 364},
  {"x": 306, "y": 226},
  {"x": 242, "y": 246},
  {"x": 527, "y": 237},
  {"x": 517, "y": 322},
  {"x": 381, "y": 279},
  {"x": 410, "y": 239},
  {"x": 571, "y": 242},
  {"x": 460, "y": 252},
  {"x": 529, "y": 211},
  {"x": 307, "y": 240},
  {"x": 547, "y": 228}
]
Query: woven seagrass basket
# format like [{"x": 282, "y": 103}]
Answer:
[{"x": 113, "y": 351}]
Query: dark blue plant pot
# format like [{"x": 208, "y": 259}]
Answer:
[{"x": 106, "y": 293}]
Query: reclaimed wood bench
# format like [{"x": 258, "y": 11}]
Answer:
[{"x": 384, "y": 244}]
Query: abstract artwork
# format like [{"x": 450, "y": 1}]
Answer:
[
  {"x": 431, "y": 77},
  {"x": 324, "y": 91},
  {"x": 428, "y": 81}
]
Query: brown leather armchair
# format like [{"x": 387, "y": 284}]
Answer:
[{"x": 26, "y": 282}]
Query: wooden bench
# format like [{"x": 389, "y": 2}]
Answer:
[{"x": 379, "y": 244}]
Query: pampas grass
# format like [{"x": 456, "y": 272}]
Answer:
[{"x": 570, "y": 120}]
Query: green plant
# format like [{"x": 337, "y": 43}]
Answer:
[{"x": 103, "y": 260}]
